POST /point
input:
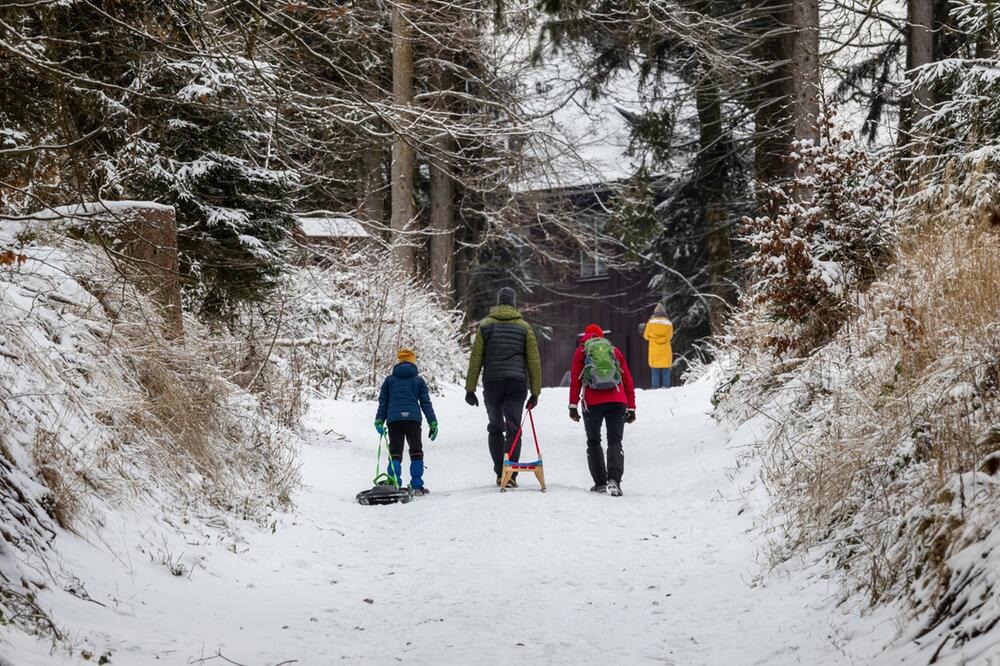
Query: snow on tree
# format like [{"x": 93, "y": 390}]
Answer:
[
  {"x": 345, "y": 318},
  {"x": 149, "y": 115},
  {"x": 832, "y": 228},
  {"x": 956, "y": 153}
]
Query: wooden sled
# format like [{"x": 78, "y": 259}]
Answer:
[{"x": 511, "y": 466}]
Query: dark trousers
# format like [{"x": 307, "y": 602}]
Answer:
[
  {"x": 612, "y": 415},
  {"x": 504, "y": 401},
  {"x": 409, "y": 431}
]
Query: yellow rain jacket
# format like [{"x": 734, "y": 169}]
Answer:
[{"x": 659, "y": 331}]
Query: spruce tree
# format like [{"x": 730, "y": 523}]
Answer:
[{"x": 135, "y": 101}]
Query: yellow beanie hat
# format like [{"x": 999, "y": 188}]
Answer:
[{"x": 406, "y": 356}]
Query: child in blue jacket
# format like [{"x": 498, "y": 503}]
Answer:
[{"x": 404, "y": 394}]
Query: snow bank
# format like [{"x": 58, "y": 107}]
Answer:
[
  {"x": 883, "y": 443},
  {"x": 103, "y": 417}
]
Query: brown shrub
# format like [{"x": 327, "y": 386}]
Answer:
[{"x": 872, "y": 430}]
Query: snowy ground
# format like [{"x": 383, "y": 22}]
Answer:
[{"x": 669, "y": 573}]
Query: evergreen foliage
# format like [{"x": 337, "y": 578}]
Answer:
[
  {"x": 634, "y": 220},
  {"x": 146, "y": 116},
  {"x": 680, "y": 52},
  {"x": 963, "y": 127}
]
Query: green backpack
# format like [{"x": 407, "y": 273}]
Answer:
[{"x": 601, "y": 371}]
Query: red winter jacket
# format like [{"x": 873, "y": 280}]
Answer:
[{"x": 624, "y": 393}]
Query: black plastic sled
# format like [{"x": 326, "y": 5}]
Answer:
[{"x": 386, "y": 494}]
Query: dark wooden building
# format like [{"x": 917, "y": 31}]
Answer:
[
  {"x": 618, "y": 302},
  {"x": 563, "y": 301}
]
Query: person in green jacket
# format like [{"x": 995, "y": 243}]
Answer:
[{"x": 506, "y": 352}]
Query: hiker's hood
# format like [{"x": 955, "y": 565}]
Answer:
[
  {"x": 659, "y": 329},
  {"x": 505, "y": 313},
  {"x": 405, "y": 370}
]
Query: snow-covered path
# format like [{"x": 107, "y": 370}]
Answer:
[{"x": 467, "y": 575}]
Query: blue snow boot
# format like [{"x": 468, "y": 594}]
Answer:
[
  {"x": 395, "y": 471},
  {"x": 417, "y": 477}
]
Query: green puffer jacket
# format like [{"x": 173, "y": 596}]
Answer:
[{"x": 505, "y": 348}]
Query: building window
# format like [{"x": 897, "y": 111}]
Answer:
[{"x": 591, "y": 265}]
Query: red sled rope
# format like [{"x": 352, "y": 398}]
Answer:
[{"x": 510, "y": 466}]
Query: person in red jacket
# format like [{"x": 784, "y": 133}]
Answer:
[{"x": 614, "y": 407}]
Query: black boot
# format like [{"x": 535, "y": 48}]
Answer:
[
  {"x": 616, "y": 462},
  {"x": 516, "y": 455},
  {"x": 497, "y": 443},
  {"x": 595, "y": 460}
]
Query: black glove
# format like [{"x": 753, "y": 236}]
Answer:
[
  {"x": 573, "y": 413},
  {"x": 471, "y": 399},
  {"x": 532, "y": 401},
  {"x": 629, "y": 416}
]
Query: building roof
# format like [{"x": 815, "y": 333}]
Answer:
[{"x": 331, "y": 226}]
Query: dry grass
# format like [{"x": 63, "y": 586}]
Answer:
[
  {"x": 255, "y": 365},
  {"x": 138, "y": 414},
  {"x": 177, "y": 425},
  {"x": 948, "y": 340},
  {"x": 182, "y": 408},
  {"x": 103, "y": 413},
  {"x": 65, "y": 482},
  {"x": 875, "y": 433},
  {"x": 209, "y": 432},
  {"x": 953, "y": 275}
]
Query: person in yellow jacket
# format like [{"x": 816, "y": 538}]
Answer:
[{"x": 659, "y": 331}]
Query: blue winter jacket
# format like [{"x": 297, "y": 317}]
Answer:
[{"x": 404, "y": 393}]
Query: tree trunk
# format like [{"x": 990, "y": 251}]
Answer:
[
  {"x": 985, "y": 48},
  {"x": 788, "y": 107},
  {"x": 442, "y": 224},
  {"x": 772, "y": 116},
  {"x": 919, "y": 52},
  {"x": 720, "y": 254},
  {"x": 468, "y": 237},
  {"x": 462, "y": 270},
  {"x": 714, "y": 148},
  {"x": 147, "y": 241},
  {"x": 805, "y": 69},
  {"x": 442, "y": 208},
  {"x": 403, "y": 152}
]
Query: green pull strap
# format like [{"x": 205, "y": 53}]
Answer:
[{"x": 379, "y": 474}]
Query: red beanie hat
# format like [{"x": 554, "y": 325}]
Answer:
[{"x": 595, "y": 330}]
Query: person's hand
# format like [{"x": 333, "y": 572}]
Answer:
[
  {"x": 574, "y": 413},
  {"x": 380, "y": 427},
  {"x": 471, "y": 399},
  {"x": 630, "y": 415},
  {"x": 434, "y": 430},
  {"x": 532, "y": 401}
]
